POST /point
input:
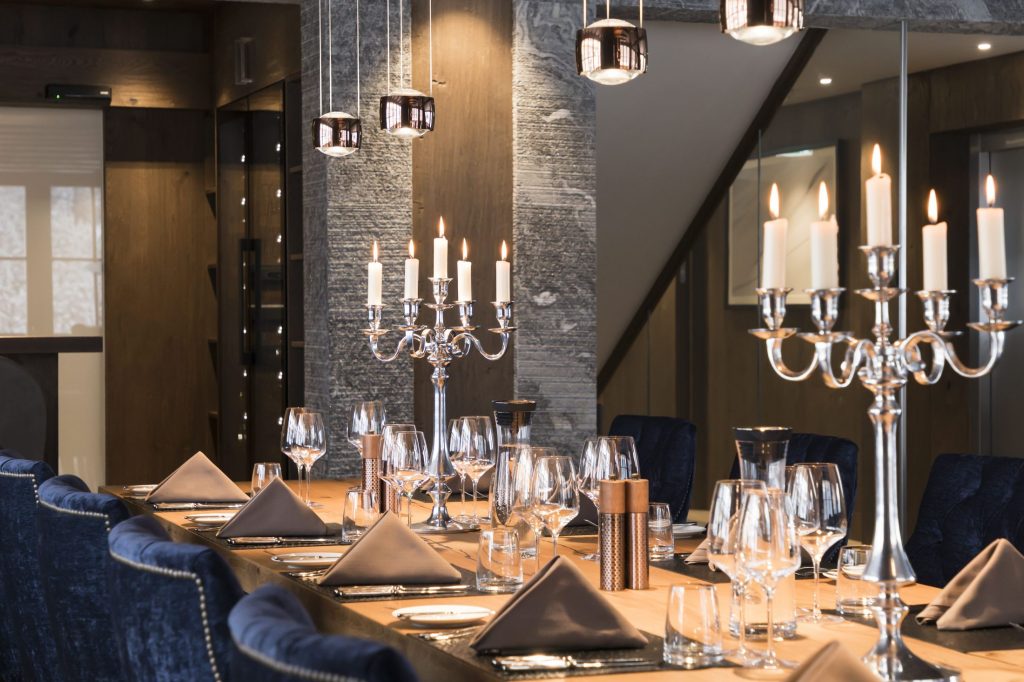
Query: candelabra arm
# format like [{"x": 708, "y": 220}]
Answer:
[
  {"x": 470, "y": 339},
  {"x": 774, "y": 347},
  {"x": 374, "y": 340},
  {"x": 857, "y": 352}
]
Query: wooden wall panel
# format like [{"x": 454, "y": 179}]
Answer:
[
  {"x": 273, "y": 32},
  {"x": 463, "y": 171},
  {"x": 160, "y": 307}
]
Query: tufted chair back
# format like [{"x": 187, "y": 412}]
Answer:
[
  {"x": 172, "y": 602},
  {"x": 276, "y": 641},
  {"x": 27, "y": 647},
  {"x": 667, "y": 449},
  {"x": 75, "y": 563},
  {"x": 969, "y": 501}
]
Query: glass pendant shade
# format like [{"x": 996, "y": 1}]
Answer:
[
  {"x": 337, "y": 134},
  {"x": 611, "y": 51},
  {"x": 406, "y": 113},
  {"x": 762, "y": 22}
]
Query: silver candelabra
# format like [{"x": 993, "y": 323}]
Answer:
[
  {"x": 439, "y": 345},
  {"x": 883, "y": 366}
]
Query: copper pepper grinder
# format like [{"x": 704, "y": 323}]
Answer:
[
  {"x": 372, "y": 481},
  {"x": 612, "y": 535},
  {"x": 637, "y": 502}
]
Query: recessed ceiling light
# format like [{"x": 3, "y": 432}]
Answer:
[
  {"x": 825, "y": 80},
  {"x": 984, "y": 47}
]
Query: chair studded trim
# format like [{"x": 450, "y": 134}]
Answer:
[
  {"x": 183, "y": 575},
  {"x": 295, "y": 670},
  {"x": 35, "y": 486},
  {"x": 76, "y": 512}
]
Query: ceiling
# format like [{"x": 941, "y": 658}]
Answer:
[{"x": 852, "y": 58}]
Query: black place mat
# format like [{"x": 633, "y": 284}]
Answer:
[
  {"x": 965, "y": 641},
  {"x": 468, "y": 578},
  {"x": 696, "y": 571}
]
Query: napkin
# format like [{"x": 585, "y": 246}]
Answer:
[
  {"x": 389, "y": 553},
  {"x": 197, "y": 480},
  {"x": 986, "y": 593},
  {"x": 275, "y": 510},
  {"x": 699, "y": 555},
  {"x": 558, "y": 610},
  {"x": 832, "y": 663}
]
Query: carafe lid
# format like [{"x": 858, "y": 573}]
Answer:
[{"x": 762, "y": 434}]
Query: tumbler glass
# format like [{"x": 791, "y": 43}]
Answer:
[
  {"x": 360, "y": 512},
  {"x": 693, "y": 633},
  {"x": 499, "y": 566},
  {"x": 854, "y": 596},
  {"x": 263, "y": 473},
  {"x": 660, "y": 543}
]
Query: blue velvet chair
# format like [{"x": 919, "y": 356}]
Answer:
[
  {"x": 810, "y": 447},
  {"x": 969, "y": 501},
  {"x": 26, "y": 623},
  {"x": 667, "y": 450},
  {"x": 276, "y": 641},
  {"x": 75, "y": 563},
  {"x": 172, "y": 602}
]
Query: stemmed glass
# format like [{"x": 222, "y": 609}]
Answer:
[
  {"x": 620, "y": 451},
  {"x": 408, "y": 460},
  {"x": 368, "y": 417},
  {"x": 307, "y": 440},
  {"x": 723, "y": 518},
  {"x": 522, "y": 495},
  {"x": 556, "y": 501},
  {"x": 604, "y": 458},
  {"x": 769, "y": 550},
  {"x": 287, "y": 437},
  {"x": 461, "y": 465},
  {"x": 819, "y": 514},
  {"x": 475, "y": 453},
  {"x": 387, "y": 471}
]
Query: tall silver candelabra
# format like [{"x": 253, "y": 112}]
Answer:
[
  {"x": 883, "y": 366},
  {"x": 439, "y": 345}
]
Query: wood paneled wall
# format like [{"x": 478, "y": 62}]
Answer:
[{"x": 273, "y": 34}]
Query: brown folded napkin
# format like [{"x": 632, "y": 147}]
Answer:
[
  {"x": 389, "y": 553},
  {"x": 832, "y": 663},
  {"x": 197, "y": 480},
  {"x": 558, "y": 610},
  {"x": 986, "y": 593},
  {"x": 699, "y": 555},
  {"x": 275, "y": 511}
]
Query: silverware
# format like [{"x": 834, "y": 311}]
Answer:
[
  {"x": 272, "y": 540},
  {"x": 398, "y": 590},
  {"x": 1017, "y": 625},
  {"x": 447, "y": 635},
  {"x": 186, "y": 506},
  {"x": 541, "y": 662},
  {"x": 307, "y": 575}
]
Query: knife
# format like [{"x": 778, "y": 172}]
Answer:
[
  {"x": 185, "y": 506},
  {"x": 273, "y": 540},
  {"x": 398, "y": 590},
  {"x": 542, "y": 663}
]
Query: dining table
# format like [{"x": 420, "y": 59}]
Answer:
[{"x": 994, "y": 657}]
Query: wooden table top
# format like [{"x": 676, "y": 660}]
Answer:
[{"x": 645, "y": 609}]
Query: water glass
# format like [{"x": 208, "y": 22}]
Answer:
[
  {"x": 693, "y": 633},
  {"x": 660, "y": 543},
  {"x": 499, "y": 566},
  {"x": 263, "y": 473},
  {"x": 360, "y": 512},
  {"x": 854, "y": 596}
]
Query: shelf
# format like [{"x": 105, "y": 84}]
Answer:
[
  {"x": 297, "y": 344},
  {"x": 295, "y": 257}
]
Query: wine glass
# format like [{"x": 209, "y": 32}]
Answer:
[
  {"x": 387, "y": 471},
  {"x": 620, "y": 452},
  {"x": 769, "y": 550},
  {"x": 556, "y": 501},
  {"x": 722, "y": 520},
  {"x": 819, "y": 514},
  {"x": 598, "y": 464},
  {"x": 368, "y": 416},
  {"x": 478, "y": 446},
  {"x": 287, "y": 437},
  {"x": 461, "y": 464},
  {"x": 409, "y": 461},
  {"x": 522, "y": 498},
  {"x": 309, "y": 441}
]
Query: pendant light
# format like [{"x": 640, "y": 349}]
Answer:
[
  {"x": 336, "y": 133},
  {"x": 407, "y": 113},
  {"x": 611, "y": 51},
  {"x": 762, "y": 22}
]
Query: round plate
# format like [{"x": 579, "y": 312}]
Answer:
[
  {"x": 218, "y": 519},
  {"x": 139, "y": 490},
  {"x": 687, "y": 530},
  {"x": 830, "y": 574},
  {"x": 435, "y": 615},
  {"x": 307, "y": 559}
]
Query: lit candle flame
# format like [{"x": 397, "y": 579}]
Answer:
[
  {"x": 465, "y": 250},
  {"x": 504, "y": 250},
  {"x": 440, "y": 227},
  {"x": 412, "y": 250},
  {"x": 933, "y": 208},
  {"x": 876, "y": 160},
  {"x": 990, "y": 190},
  {"x": 823, "y": 201},
  {"x": 375, "y": 250},
  {"x": 773, "y": 201}
]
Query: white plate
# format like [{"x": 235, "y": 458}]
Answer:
[
  {"x": 830, "y": 574},
  {"x": 434, "y": 615},
  {"x": 139, "y": 490},
  {"x": 307, "y": 559},
  {"x": 218, "y": 519},
  {"x": 687, "y": 530}
]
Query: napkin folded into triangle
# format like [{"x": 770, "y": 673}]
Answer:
[
  {"x": 389, "y": 553},
  {"x": 832, "y": 663},
  {"x": 197, "y": 480},
  {"x": 699, "y": 555},
  {"x": 558, "y": 610},
  {"x": 275, "y": 511},
  {"x": 985, "y": 593}
]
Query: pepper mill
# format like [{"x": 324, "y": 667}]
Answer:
[
  {"x": 612, "y": 535},
  {"x": 637, "y": 501},
  {"x": 372, "y": 481}
]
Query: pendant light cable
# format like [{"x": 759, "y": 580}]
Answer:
[
  {"x": 641, "y": 13},
  {"x": 607, "y": 9},
  {"x": 401, "y": 44},
  {"x": 359, "y": 98},
  {"x": 584, "y": 13},
  {"x": 330, "y": 59},
  {"x": 388, "y": 31},
  {"x": 430, "y": 46},
  {"x": 320, "y": 52}
]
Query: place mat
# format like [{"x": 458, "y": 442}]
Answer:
[
  {"x": 210, "y": 535},
  {"x": 696, "y": 571},
  {"x": 468, "y": 578},
  {"x": 964, "y": 641}
]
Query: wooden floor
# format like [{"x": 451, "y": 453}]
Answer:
[{"x": 646, "y": 609}]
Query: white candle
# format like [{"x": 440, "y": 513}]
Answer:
[
  {"x": 879, "y": 203},
  {"x": 412, "y": 273},
  {"x": 440, "y": 251},
  {"x": 375, "y": 279},
  {"x": 991, "y": 243},
  {"x": 465, "y": 270},
  {"x": 503, "y": 277},
  {"x": 933, "y": 242},
  {"x": 773, "y": 258},
  {"x": 824, "y": 246}
]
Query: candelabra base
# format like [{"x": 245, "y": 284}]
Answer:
[{"x": 890, "y": 658}]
